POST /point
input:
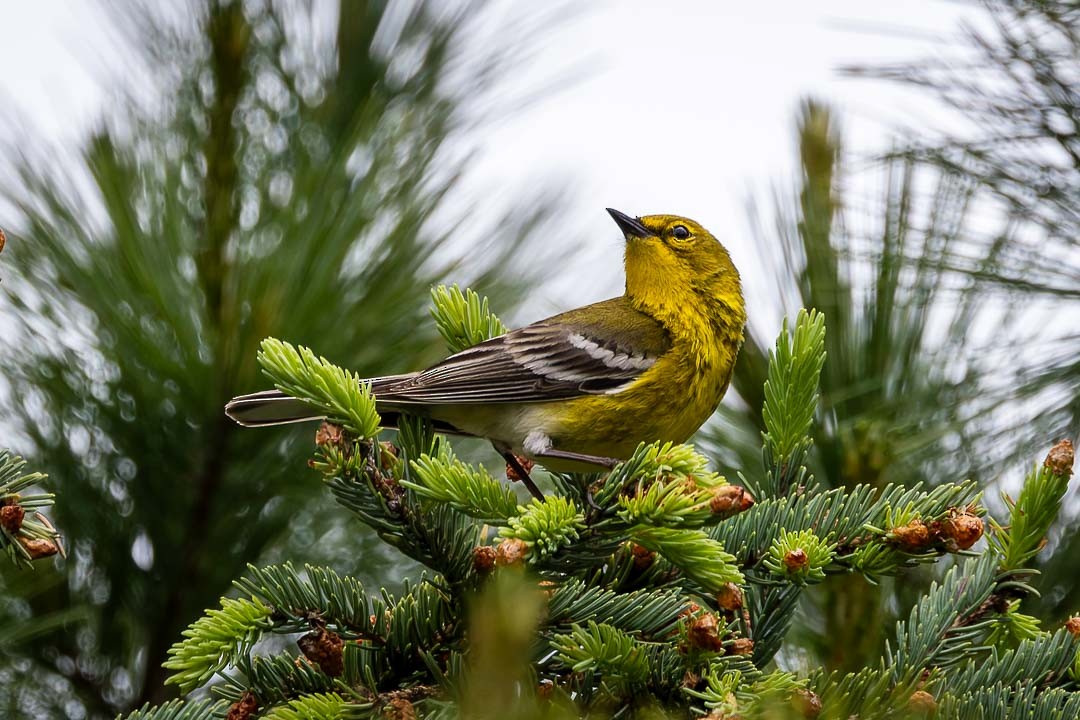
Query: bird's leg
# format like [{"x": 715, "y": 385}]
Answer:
[{"x": 523, "y": 475}]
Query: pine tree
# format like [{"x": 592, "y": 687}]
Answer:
[{"x": 658, "y": 589}]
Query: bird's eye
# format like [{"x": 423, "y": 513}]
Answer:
[{"x": 680, "y": 232}]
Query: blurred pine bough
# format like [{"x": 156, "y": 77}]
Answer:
[
  {"x": 947, "y": 286},
  {"x": 279, "y": 185}
]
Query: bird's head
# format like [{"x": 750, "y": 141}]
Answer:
[{"x": 668, "y": 256}]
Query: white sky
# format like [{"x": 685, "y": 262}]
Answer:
[{"x": 687, "y": 107}]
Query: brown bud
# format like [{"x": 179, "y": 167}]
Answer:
[
  {"x": 526, "y": 465},
  {"x": 545, "y": 689},
  {"x": 325, "y": 649},
  {"x": 483, "y": 559},
  {"x": 329, "y": 434},
  {"x": 1060, "y": 458},
  {"x": 730, "y": 597},
  {"x": 704, "y": 633},
  {"x": 243, "y": 708},
  {"x": 1073, "y": 626},
  {"x": 741, "y": 646},
  {"x": 643, "y": 557},
  {"x": 806, "y": 703},
  {"x": 511, "y": 551},
  {"x": 399, "y": 708},
  {"x": 962, "y": 529},
  {"x": 38, "y": 547},
  {"x": 11, "y": 518},
  {"x": 728, "y": 500},
  {"x": 922, "y": 702},
  {"x": 913, "y": 537},
  {"x": 3, "y": 239},
  {"x": 796, "y": 560}
]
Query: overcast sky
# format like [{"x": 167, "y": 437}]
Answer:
[{"x": 684, "y": 107}]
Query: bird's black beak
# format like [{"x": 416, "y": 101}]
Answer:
[{"x": 631, "y": 227}]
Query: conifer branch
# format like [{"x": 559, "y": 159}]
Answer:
[
  {"x": 791, "y": 395},
  {"x": 332, "y": 391},
  {"x": 216, "y": 640},
  {"x": 25, "y": 534},
  {"x": 204, "y": 709},
  {"x": 463, "y": 319},
  {"x": 469, "y": 490}
]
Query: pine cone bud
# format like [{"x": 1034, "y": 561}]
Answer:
[
  {"x": 1060, "y": 458},
  {"x": 399, "y": 709},
  {"x": 483, "y": 559},
  {"x": 11, "y": 518},
  {"x": 545, "y": 689},
  {"x": 913, "y": 537},
  {"x": 243, "y": 708},
  {"x": 526, "y": 464},
  {"x": 511, "y": 551},
  {"x": 741, "y": 646},
  {"x": 806, "y": 703},
  {"x": 922, "y": 702},
  {"x": 3, "y": 239},
  {"x": 796, "y": 560},
  {"x": 1073, "y": 626},
  {"x": 38, "y": 547},
  {"x": 330, "y": 434},
  {"x": 729, "y": 500},
  {"x": 730, "y": 597},
  {"x": 643, "y": 557},
  {"x": 704, "y": 634},
  {"x": 325, "y": 649},
  {"x": 962, "y": 529}
]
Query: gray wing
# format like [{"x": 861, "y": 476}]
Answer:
[{"x": 537, "y": 363}]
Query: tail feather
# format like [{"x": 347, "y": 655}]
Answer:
[{"x": 273, "y": 407}]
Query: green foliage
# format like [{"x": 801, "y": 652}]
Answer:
[
  {"x": 337, "y": 393},
  {"x": 799, "y": 557},
  {"x": 699, "y": 556},
  {"x": 791, "y": 396},
  {"x": 604, "y": 650},
  {"x": 1030, "y": 516},
  {"x": 622, "y": 602},
  {"x": 274, "y": 176},
  {"x": 546, "y": 526},
  {"x": 32, "y": 526},
  {"x": 463, "y": 319},
  {"x": 318, "y": 706},
  {"x": 181, "y": 710},
  {"x": 216, "y": 640},
  {"x": 469, "y": 490}
]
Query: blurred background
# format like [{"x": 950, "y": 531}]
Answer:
[{"x": 179, "y": 180}]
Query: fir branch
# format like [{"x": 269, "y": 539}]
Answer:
[
  {"x": 215, "y": 640},
  {"x": 699, "y": 557},
  {"x": 1031, "y": 515},
  {"x": 340, "y": 601},
  {"x": 321, "y": 706},
  {"x": 463, "y": 319},
  {"x": 204, "y": 709},
  {"x": 1044, "y": 662},
  {"x": 791, "y": 395},
  {"x": 275, "y": 679},
  {"x": 337, "y": 393},
  {"x": 25, "y": 534},
  {"x": 612, "y": 654},
  {"x": 648, "y": 612},
  {"x": 467, "y": 489},
  {"x": 546, "y": 526},
  {"x": 939, "y": 630}
]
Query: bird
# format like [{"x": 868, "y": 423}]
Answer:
[{"x": 582, "y": 389}]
